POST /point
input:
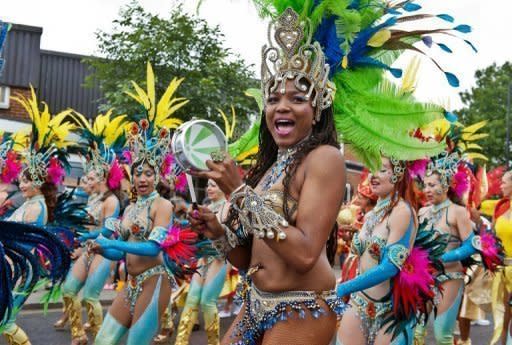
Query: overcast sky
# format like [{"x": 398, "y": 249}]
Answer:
[{"x": 69, "y": 26}]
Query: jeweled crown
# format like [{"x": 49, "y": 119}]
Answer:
[
  {"x": 293, "y": 56},
  {"x": 147, "y": 147},
  {"x": 446, "y": 165}
]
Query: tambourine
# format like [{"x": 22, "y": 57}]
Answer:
[{"x": 194, "y": 141}]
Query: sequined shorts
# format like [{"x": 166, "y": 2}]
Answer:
[
  {"x": 134, "y": 284},
  {"x": 372, "y": 314},
  {"x": 264, "y": 309}
]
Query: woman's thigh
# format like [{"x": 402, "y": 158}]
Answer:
[
  {"x": 120, "y": 310},
  {"x": 450, "y": 290},
  {"x": 350, "y": 329}
]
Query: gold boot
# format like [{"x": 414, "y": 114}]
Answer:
[
  {"x": 187, "y": 321},
  {"x": 74, "y": 306},
  {"x": 212, "y": 328},
  {"x": 14, "y": 335},
  {"x": 167, "y": 328},
  {"x": 95, "y": 316}
]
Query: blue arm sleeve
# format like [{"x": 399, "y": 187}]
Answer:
[
  {"x": 466, "y": 249},
  {"x": 113, "y": 254},
  {"x": 93, "y": 234},
  {"x": 148, "y": 248},
  {"x": 392, "y": 259}
]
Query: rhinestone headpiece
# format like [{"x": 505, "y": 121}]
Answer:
[
  {"x": 148, "y": 148},
  {"x": 446, "y": 165},
  {"x": 99, "y": 160},
  {"x": 399, "y": 168},
  {"x": 38, "y": 163},
  {"x": 292, "y": 56}
]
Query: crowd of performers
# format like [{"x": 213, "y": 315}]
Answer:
[{"x": 411, "y": 237}]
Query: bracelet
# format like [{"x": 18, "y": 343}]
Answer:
[
  {"x": 221, "y": 245},
  {"x": 256, "y": 217}
]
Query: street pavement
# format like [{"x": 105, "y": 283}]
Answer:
[{"x": 40, "y": 330}]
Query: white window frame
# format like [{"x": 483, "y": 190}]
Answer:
[{"x": 5, "y": 102}]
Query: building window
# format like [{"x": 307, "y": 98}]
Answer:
[{"x": 5, "y": 95}]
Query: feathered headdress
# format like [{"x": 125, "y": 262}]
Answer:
[
  {"x": 44, "y": 148},
  {"x": 359, "y": 41},
  {"x": 149, "y": 139},
  {"x": 452, "y": 164},
  {"x": 105, "y": 140}
]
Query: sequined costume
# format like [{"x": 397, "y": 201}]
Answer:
[
  {"x": 389, "y": 258},
  {"x": 137, "y": 227}
]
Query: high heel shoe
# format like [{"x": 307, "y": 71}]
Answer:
[
  {"x": 83, "y": 340},
  {"x": 164, "y": 337},
  {"x": 60, "y": 324}
]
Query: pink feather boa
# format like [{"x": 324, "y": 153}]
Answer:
[
  {"x": 55, "y": 171},
  {"x": 115, "y": 176}
]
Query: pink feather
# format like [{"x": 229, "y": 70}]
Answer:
[
  {"x": 11, "y": 169},
  {"x": 115, "y": 176},
  {"x": 491, "y": 250},
  {"x": 55, "y": 171},
  {"x": 418, "y": 168},
  {"x": 127, "y": 157},
  {"x": 180, "y": 244},
  {"x": 414, "y": 282},
  {"x": 167, "y": 165},
  {"x": 460, "y": 182},
  {"x": 180, "y": 183}
]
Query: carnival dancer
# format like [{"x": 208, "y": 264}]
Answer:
[
  {"x": 206, "y": 285},
  {"x": 144, "y": 240},
  {"x": 104, "y": 174},
  {"x": 502, "y": 282},
  {"x": 45, "y": 159},
  {"x": 295, "y": 83},
  {"x": 446, "y": 186}
]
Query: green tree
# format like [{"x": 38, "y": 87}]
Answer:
[
  {"x": 488, "y": 101},
  {"x": 181, "y": 45}
]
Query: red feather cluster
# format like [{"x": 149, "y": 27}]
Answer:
[
  {"x": 414, "y": 284},
  {"x": 492, "y": 252},
  {"x": 494, "y": 179},
  {"x": 180, "y": 244}
]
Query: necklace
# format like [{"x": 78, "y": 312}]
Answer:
[
  {"x": 284, "y": 158},
  {"x": 434, "y": 215},
  {"x": 375, "y": 216}
]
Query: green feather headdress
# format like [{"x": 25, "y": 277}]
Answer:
[{"x": 360, "y": 41}]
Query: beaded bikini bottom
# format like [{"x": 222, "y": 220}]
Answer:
[
  {"x": 264, "y": 309},
  {"x": 372, "y": 314},
  {"x": 134, "y": 286}
]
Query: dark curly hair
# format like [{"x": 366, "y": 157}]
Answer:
[{"x": 323, "y": 133}]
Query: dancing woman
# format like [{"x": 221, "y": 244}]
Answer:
[
  {"x": 206, "y": 285},
  {"x": 143, "y": 231},
  {"x": 104, "y": 176},
  {"x": 45, "y": 158},
  {"x": 445, "y": 215},
  {"x": 382, "y": 247}
]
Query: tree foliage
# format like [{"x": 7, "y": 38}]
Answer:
[
  {"x": 488, "y": 101},
  {"x": 181, "y": 45}
]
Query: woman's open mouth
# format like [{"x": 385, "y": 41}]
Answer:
[{"x": 284, "y": 126}]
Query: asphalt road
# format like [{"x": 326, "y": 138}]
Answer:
[{"x": 40, "y": 330}]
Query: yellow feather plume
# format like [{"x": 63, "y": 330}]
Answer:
[
  {"x": 50, "y": 130},
  {"x": 409, "y": 79},
  {"x": 229, "y": 126},
  {"x": 159, "y": 114}
]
